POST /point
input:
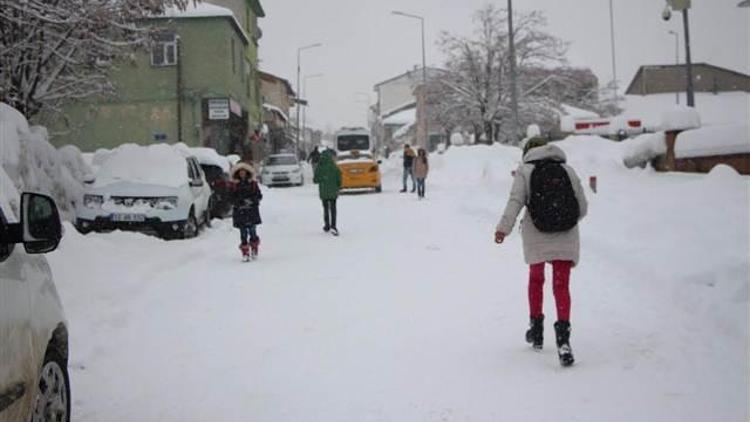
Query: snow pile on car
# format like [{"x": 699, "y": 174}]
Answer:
[
  {"x": 159, "y": 164},
  {"x": 31, "y": 163},
  {"x": 209, "y": 157},
  {"x": 713, "y": 140}
]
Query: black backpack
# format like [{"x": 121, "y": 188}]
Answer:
[{"x": 553, "y": 205}]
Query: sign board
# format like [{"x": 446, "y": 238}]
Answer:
[
  {"x": 218, "y": 109},
  {"x": 679, "y": 5}
]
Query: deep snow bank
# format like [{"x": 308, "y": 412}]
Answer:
[{"x": 31, "y": 163}]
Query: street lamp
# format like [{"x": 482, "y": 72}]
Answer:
[
  {"x": 424, "y": 69},
  {"x": 683, "y": 6},
  {"x": 744, "y": 3},
  {"x": 304, "y": 95},
  {"x": 299, "y": 68},
  {"x": 676, "y": 56}
]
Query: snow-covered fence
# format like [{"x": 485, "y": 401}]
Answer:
[{"x": 30, "y": 163}]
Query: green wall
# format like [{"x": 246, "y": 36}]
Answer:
[{"x": 146, "y": 102}]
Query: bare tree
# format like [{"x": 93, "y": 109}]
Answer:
[
  {"x": 54, "y": 51},
  {"x": 479, "y": 71}
]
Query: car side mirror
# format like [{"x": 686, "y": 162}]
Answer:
[
  {"x": 196, "y": 183},
  {"x": 380, "y": 161},
  {"x": 40, "y": 227},
  {"x": 89, "y": 179}
]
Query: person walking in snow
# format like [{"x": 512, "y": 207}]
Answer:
[
  {"x": 314, "y": 157},
  {"x": 551, "y": 192},
  {"x": 409, "y": 167},
  {"x": 421, "y": 168},
  {"x": 246, "y": 197},
  {"x": 328, "y": 177}
]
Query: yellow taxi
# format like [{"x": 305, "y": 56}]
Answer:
[{"x": 359, "y": 170}]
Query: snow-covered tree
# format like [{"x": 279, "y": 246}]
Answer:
[
  {"x": 53, "y": 51},
  {"x": 479, "y": 71}
]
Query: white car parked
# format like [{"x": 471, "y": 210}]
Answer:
[
  {"x": 34, "y": 382},
  {"x": 282, "y": 169},
  {"x": 158, "y": 188}
]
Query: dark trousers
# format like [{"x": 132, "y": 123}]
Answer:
[
  {"x": 329, "y": 213},
  {"x": 248, "y": 234},
  {"x": 420, "y": 187},
  {"x": 409, "y": 173}
]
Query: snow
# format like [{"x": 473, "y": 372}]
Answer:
[
  {"x": 413, "y": 314},
  {"x": 683, "y": 118},
  {"x": 725, "y": 108},
  {"x": 209, "y": 157},
  {"x": 405, "y": 117},
  {"x": 31, "y": 163},
  {"x": 273, "y": 108},
  {"x": 403, "y": 131},
  {"x": 640, "y": 150},
  {"x": 203, "y": 10},
  {"x": 157, "y": 164},
  {"x": 713, "y": 140}
]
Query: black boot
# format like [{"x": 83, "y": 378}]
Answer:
[
  {"x": 535, "y": 333},
  {"x": 564, "y": 351}
]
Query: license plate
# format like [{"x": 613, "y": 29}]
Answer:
[
  {"x": 356, "y": 171},
  {"x": 280, "y": 179},
  {"x": 129, "y": 218}
]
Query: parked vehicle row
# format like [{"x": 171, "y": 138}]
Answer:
[{"x": 34, "y": 381}]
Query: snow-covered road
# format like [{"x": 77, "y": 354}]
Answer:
[{"x": 413, "y": 314}]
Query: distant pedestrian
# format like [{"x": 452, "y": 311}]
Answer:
[
  {"x": 246, "y": 197},
  {"x": 551, "y": 192},
  {"x": 328, "y": 178},
  {"x": 314, "y": 157},
  {"x": 409, "y": 167},
  {"x": 421, "y": 168}
]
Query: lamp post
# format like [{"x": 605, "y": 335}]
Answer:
[
  {"x": 513, "y": 75},
  {"x": 424, "y": 70},
  {"x": 676, "y": 57},
  {"x": 744, "y": 3},
  {"x": 304, "y": 95},
  {"x": 299, "y": 68},
  {"x": 614, "y": 55},
  {"x": 684, "y": 6}
]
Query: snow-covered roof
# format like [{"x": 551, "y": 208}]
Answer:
[
  {"x": 713, "y": 140},
  {"x": 577, "y": 113},
  {"x": 403, "y": 131},
  {"x": 271, "y": 107},
  {"x": 404, "y": 117},
  {"x": 204, "y": 10},
  {"x": 401, "y": 107}
]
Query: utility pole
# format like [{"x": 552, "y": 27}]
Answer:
[
  {"x": 676, "y": 57},
  {"x": 688, "y": 60},
  {"x": 424, "y": 75},
  {"x": 614, "y": 55},
  {"x": 513, "y": 77}
]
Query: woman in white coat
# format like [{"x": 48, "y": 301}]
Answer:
[{"x": 560, "y": 248}]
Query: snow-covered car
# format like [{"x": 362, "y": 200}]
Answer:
[
  {"x": 156, "y": 188},
  {"x": 34, "y": 382},
  {"x": 282, "y": 169},
  {"x": 216, "y": 167}
]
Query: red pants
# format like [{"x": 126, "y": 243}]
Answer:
[{"x": 560, "y": 281}]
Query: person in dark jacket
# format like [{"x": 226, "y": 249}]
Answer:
[
  {"x": 409, "y": 167},
  {"x": 328, "y": 178},
  {"x": 246, "y": 197},
  {"x": 314, "y": 157},
  {"x": 421, "y": 168}
]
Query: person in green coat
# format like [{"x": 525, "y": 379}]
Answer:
[{"x": 328, "y": 178}]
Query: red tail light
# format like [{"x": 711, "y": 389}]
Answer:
[{"x": 373, "y": 169}]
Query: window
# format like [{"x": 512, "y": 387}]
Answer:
[{"x": 164, "y": 50}]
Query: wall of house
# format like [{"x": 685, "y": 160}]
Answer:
[
  {"x": 146, "y": 103},
  {"x": 396, "y": 93},
  {"x": 705, "y": 79}
]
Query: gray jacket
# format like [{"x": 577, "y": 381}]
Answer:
[{"x": 538, "y": 246}]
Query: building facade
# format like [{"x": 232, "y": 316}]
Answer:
[
  {"x": 664, "y": 79},
  {"x": 198, "y": 84}
]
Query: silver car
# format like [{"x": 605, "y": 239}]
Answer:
[{"x": 34, "y": 383}]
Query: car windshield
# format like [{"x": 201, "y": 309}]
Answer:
[
  {"x": 351, "y": 142},
  {"x": 281, "y": 160}
]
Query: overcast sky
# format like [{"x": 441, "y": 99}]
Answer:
[{"x": 364, "y": 44}]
